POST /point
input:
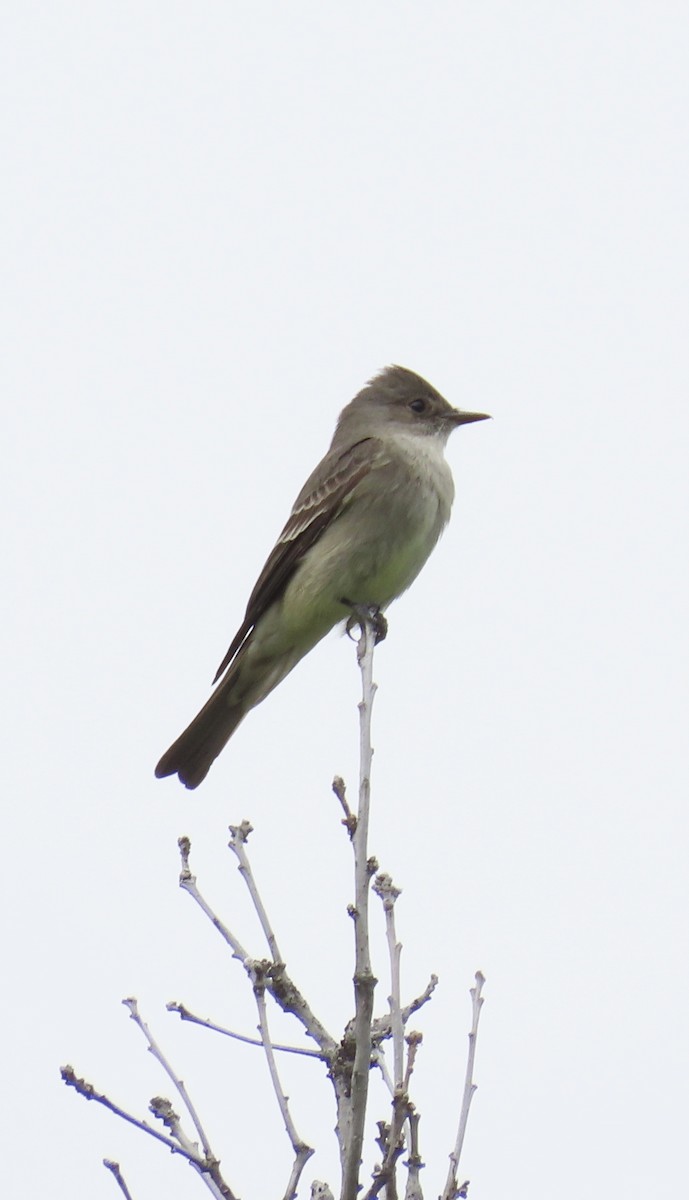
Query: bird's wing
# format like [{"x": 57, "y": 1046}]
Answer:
[{"x": 319, "y": 502}]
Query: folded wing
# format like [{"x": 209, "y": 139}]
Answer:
[{"x": 319, "y": 503}]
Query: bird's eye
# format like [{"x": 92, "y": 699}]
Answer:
[{"x": 418, "y": 406}]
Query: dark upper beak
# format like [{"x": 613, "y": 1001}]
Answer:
[{"x": 457, "y": 417}]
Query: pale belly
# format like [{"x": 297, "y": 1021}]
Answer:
[{"x": 364, "y": 558}]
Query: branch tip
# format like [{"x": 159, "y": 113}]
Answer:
[
  {"x": 240, "y": 833},
  {"x": 184, "y": 844},
  {"x": 385, "y": 888}
]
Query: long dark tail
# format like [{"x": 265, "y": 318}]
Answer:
[{"x": 195, "y": 750}]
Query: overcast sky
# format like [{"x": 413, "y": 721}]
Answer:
[{"x": 218, "y": 220}]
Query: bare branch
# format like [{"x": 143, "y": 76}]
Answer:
[
  {"x": 209, "y": 1170},
  {"x": 187, "y": 881},
  {"x": 283, "y": 990},
  {"x": 410, "y": 1009},
  {"x": 378, "y": 1060},
  {"x": 388, "y": 893},
  {"x": 87, "y": 1090},
  {"x": 364, "y": 981},
  {"x": 391, "y": 1142},
  {"x": 452, "y": 1189},
  {"x": 239, "y": 835},
  {"x": 340, "y": 791},
  {"x": 119, "y": 1179},
  {"x": 302, "y": 1152},
  {"x": 413, "y": 1041},
  {"x": 162, "y": 1108},
  {"x": 206, "y": 1023},
  {"x": 287, "y": 995},
  {"x": 414, "y": 1162},
  {"x": 381, "y": 1028},
  {"x": 157, "y": 1053}
]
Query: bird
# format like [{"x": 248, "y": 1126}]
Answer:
[{"x": 359, "y": 532}]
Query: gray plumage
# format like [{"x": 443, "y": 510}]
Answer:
[{"x": 360, "y": 531}]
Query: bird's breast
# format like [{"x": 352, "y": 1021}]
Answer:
[{"x": 379, "y": 542}]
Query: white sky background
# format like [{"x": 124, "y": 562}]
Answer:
[{"x": 218, "y": 221}]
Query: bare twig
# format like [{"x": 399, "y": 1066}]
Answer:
[
  {"x": 391, "y": 1138},
  {"x": 186, "y": 1015},
  {"x": 364, "y": 981},
  {"x": 391, "y": 1143},
  {"x": 239, "y": 835},
  {"x": 119, "y": 1179},
  {"x": 87, "y": 1090},
  {"x": 452, "y": 1189},
  {"x": 287, "y": 995},
  {"x": 414, "y": 1162},
  {"x": 157, "y": 1053},
  {"x": 378, "y": 1060},
  {"x": 381, "y": 1029},
  {"x": 395, "y": 1022},
  {"x": 187, "y": 881},
  {"x": 340, "y": 791},
  {"x": 162, "y": 1108},
  {"x": 283, "y": 990},
  {"x": 302, "y": 1152},
  {"x": 413, "y": 1041},
  {"x": 385, "y": 888},
  {"x": 208, "y": 1169}
]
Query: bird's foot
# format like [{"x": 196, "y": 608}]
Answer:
[{"x": 366, "y": 614}]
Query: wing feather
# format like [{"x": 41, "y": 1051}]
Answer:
[{"x": 320, "y": 501}]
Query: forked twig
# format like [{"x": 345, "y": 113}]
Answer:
[
  {"x": 239, "y": 835},
  {"x": 208, "y": 1169},
  {"x": 187, "y": 881},
  {"x": 302, "y": 1152},
  {"x": 281, "y": 987},
  {"x": 157, "y": 1053}
]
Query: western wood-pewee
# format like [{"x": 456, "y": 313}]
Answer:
[{"x": 360, "y": 531}]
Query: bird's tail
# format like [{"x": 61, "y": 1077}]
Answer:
[
  {"x": 248, "y": 680},
  {"x": 195, "y": 750}
]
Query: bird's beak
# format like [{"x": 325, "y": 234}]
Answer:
[{"x": 457, "y": 417}]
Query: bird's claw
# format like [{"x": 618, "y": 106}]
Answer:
[{"x": 366, "y": 613}]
